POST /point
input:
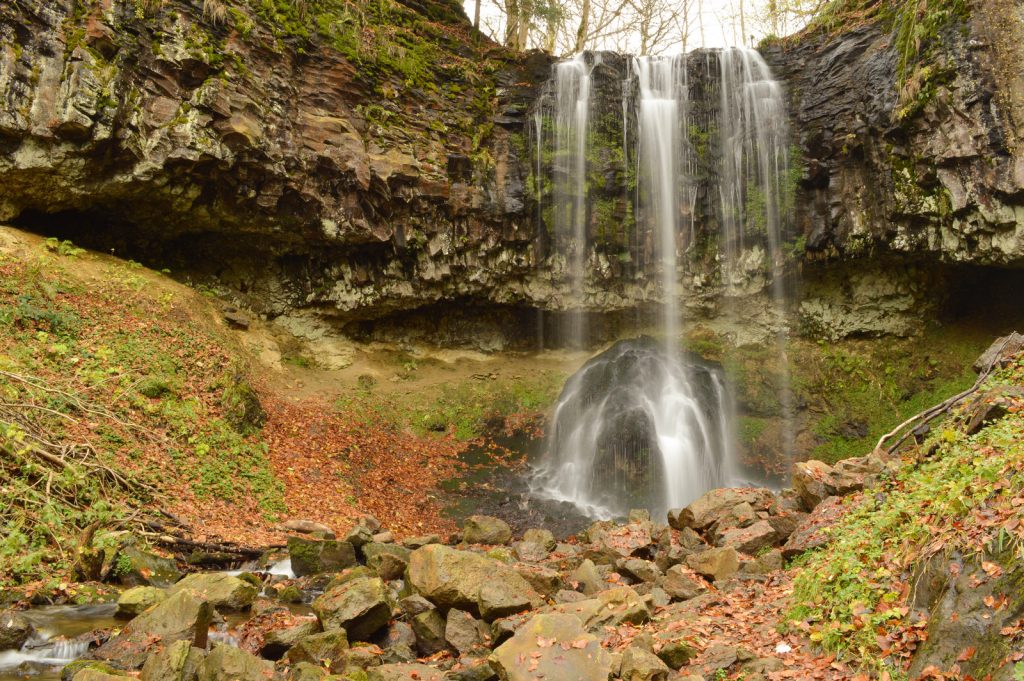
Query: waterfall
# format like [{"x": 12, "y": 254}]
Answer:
[
  {"x": 643, "y": 424},
  {"x": 567, "y": 107}
]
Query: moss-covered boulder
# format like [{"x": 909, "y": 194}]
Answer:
[
  {"x": 329, "y": 648},
  {"x": 72, "y": 669},
  {"x": 621, "y": 605},
  {"x": 15, "y": 629},
  {"x": 179, "y": 661},
  {"x": 313, "y": 556},
  {"x": 134, "y": 566},
  {"x": 483, "y": 529},
  {"x": 227, "y": 663},
  {"x": 404, "y": 672},
  {"x": 389, "y": 561},
  {"x": 361, "y": 607},
  {"x": 450, "y": 578},
  {"x": 137, "y": 600},
  {"x": 642, "y": 665},
  {"x": 223, "y": 591}
]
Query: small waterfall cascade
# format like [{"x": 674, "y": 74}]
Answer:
[
  {"x": 566, "y": 110},
  {"x": 637, "y": 428},
  {"x": 643, "y": 424}
]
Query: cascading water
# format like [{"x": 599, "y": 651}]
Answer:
[
  {"x": 567, "y": 106},
  {"x": 643, "y": 425}
]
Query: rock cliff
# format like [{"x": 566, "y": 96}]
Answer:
[{"x": 367, "y": 167}]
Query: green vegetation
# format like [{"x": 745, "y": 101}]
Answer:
[
  {"x": 112, "y": 398},
  {"x": 857, "y": 587},
  {"x": 466, "y": 409}
]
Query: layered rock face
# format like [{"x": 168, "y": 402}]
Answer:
[{"x": 369, "y": 171}]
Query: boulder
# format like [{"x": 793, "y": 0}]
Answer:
[
  {"x": 223, "y": 591},
  {"x": 450, "y": 578},
  {"x": 765, "y": 563},
  {"x": 70, "y": 670},
  {"x": 812, "y": 533},
  {"x": 358, "y": 536},
  {"x": 465, "y": 633},
  {"x": 1002, "y": 351},
  {"x": 750, "y": 539},
  {"x": 483, "y": 529},
  {"x": 716, "y": 564},
  {"x": 361, "y": 607},
  {"x": 717, "y": 504},
  {"x": 387, "y": 560},
  {"x": 544, "y": 580},
  {"x": 472, "y": 669},
  {"x": 138, "y": 599},
  {"x": 179, "y": 661},
  {"x": 990, "y": 406},
  {"x": 610, "y": 542},
  {"x": 429, "y": 628},
  {"x": 15, "y": 629},
  {"x": 312, "y": 556},
  {"x": 673, "y": 649},
  {"x": 530, "y": 552},
  {"x": 680, "y": 585},
  {"x": 399, "y": 643},
  {"x": 271, "y": 634},
  {"x": 413, "y": 543},
  {"x": 133, "y": 566},
  {"x": 587, "y": 578},
  {"x": 306, "y": 671},
  {"x": 182, "y": 617},
  {"x": 543, "y": 537},
  {"x": 404, "y": 672},
  {"x": 642, "y": 665},
  {"x": 621, "y": 605},
  {"x": 90, "y": 674},
  {"x": 555, "y": 647},
  {"x": 329, "y": 648},
  {"x": 227, "y": 663},
  {"x": 639, "y": 569},
  {"x": 815, "y": 481}
]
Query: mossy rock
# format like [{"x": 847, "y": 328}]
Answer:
[{"x": 242, "y": 408}]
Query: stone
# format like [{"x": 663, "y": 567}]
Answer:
[
  {"x": 544, "y": 580},
  {"x": 530, "y": 552},
  {"x": 312, "y": 556},
  {"x": 610, "y": 542},
  {"x": 357, "y": 536},
  {"x": 676, "y": 651},
  {"x": 811, "y": 532},
  {"x": 719, "y": 656},
  {"x": 413, "y": 543},
  {"x": 306, "y": 527},
  {"x": 15, "y": 629},
  {"x": 389, "y": 561},
  {"x": 639, "y": 569},
  {"x": 89, "y": 674},
  {"x": 71, "y": 669},
  {"x": 361, "y": 607},
  {"x": 750, "y": 539},
  {"x": 472, "y": 669},
  {"x": 138, "y": 599},
  {"x": 552, "y": 646},
  {"x": 815, "y": 481},
  {"x": 179, "y": 661},
  {"x": 182, "y": 617},
  {"x": 405, "y": 672},
  {"x": 716, "y": 564},
  {"x": 450, "y": 578},
  {"x": 385, "y": 537},
  {"x": 588, "y": 578},
  {"x": 765, "y": 563},
  {"x": 465, "y": 633},
  {"x": 227, "y": 663},
  {"x": 680, "y": 585},
  {"x": 306, "y": 671},
  {"x": 362, "y": 656},
  {"x": 272, "y": 633},
  {"x": 399, "y": 643},
  {"x": 223, "y": 591},
  {"x": 1000, "y": 353},
  {"x": 620, "y": 605},
  {"x": 415, "y": 604},
  {"x": 540, "y": 536},
  {"x": 718, "y": 503},
  {"x": 482, "y": 529},
  {"x": 990, "y": 406},
  {"x": 133, "y": 566},
  {"x": 329, "y": 648},
  {"x": 642, "y": 665},
  {"x": 429, "y": 628}
]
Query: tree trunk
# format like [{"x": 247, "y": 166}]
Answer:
[
  {"x": 581, "y": 32},
  {"x": 525, "y": 12},
  {"x": 476, "y": 15},
  {"x": 511, "y": 23}
]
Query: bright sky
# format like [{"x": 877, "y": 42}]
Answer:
[{"x": 721, "y": 27}]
